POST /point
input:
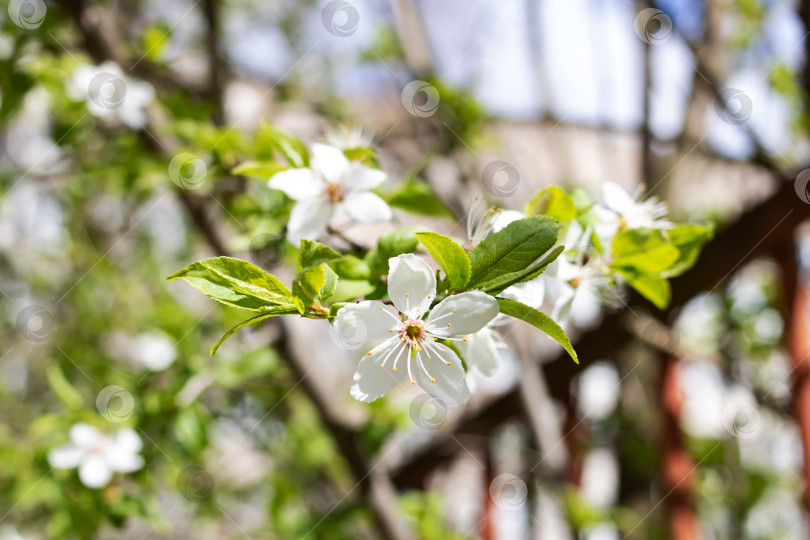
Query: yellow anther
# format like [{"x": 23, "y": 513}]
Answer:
[
  {"x": 463, "y": 339},
  {"x": 381, "y": 366},
  {"x": 394, "y": 369},
  {"x": 432, "y": 380},
  {"x": 428, "y": 358},
  {"x": 369, "y": 353},
  {"x": 444, "y": 350},
  {"x": 413, "y": 382},
  {"x": 448, "y": 363},
  {"x": 453, "y": 310},
  {"x": 419, "y": 349},
  {"x": 435, "y": 339},
  {"x": 407, "y": 295},
  {"x": 448, "y": 324},
  {"x": 380, "y": 308}
]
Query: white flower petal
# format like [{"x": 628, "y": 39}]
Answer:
[
  {"x": 530, "y": 293},
  {"x": 121, "y": 460},
  {"x": 616, "y": 198},
  {"x": 297, "y": 184},
  {"x": 411, "y": 284},
  {"x": 480, "y": 351},
  {"x": 65, "y": 457},
  {"x": 94, "y": 472},
  {"x": 372, "y": 381},
  {"x": 84, "y": 435},
  {"x": 329, "y": 161},
  {"x": 366, "y": 321},
  {"x": 127, "y": 440},
  {"x": 504, "y": 218},
  {"x": 462, "y": 314},
  {"x": 308, "y": 219},
  {"x": 365, "y": 207},
  {"x": 358, "y": 177},
  {"x": 446, "y": 382},
  {"x": 561, "y": 311}
]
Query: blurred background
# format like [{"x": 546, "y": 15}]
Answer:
[{"x": 693, "y": 422}]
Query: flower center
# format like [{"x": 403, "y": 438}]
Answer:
[
  {"x": 412, "y": 331},
  {"x": 335, "y": 192}
]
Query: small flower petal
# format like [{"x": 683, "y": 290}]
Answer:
[
  {"x": 481, "y": 351},
  {"x": 65, "y": 457},
  {"x": 446, "y": 382},
  {"x": 365, "y": 207},
  {"x": 370, "y": 380},
  {"x": 366, "y": 321},
  {"x": 411, "y": 284},
  {"x": 84, "y": 435},
  {"x": 94, "y": 472},
  {"x": 308, "y": 219},
  {"x": 617, "y": 198},
  {"x": 329, "y": 162},
  {"x": 462, "y": 314},
  {"x": 504, "y": 218},
  {"x": 358, "y": 177},
  {"x": 297, "y": 184}
]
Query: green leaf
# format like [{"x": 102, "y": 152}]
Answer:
[
  {"x": 351, "y": 267},
  {"x": 329, "y": 286},
  {"x": 554, "y": 202},
  {"x": 689, "y": 239},
  {"x": 259, "y": 169},
  {"x": 389, "y": 245},
  {"x": 646, "y": 251},
  {"x": 511, "y": 250},
  {"x": 653, "y": 288},
  {"x": 451, "y": 257},
  {"x": 350, "y": 289},
  {"x": 315, "y": 281},
  {"x": 313, "y": 253},
  {"x": 257, "y": 318},
  {"x": 236, "y": 283},
  {"x": 417, "y": 197},
  {"x": 290, "y": 147},
  {"x": 497, "y": 286},
  {"x": 364, "y": 155},
  {"x": 539, "y": 320}
]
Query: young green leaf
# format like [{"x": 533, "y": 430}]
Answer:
[
  {"x": 258, "y": 169},
  {"x": 451, "y": 257},
  {"x": 539, "y": 320},
  {"x": 511, "y": 250},
  {"x": 647, "y": 251},
  {"x": 290, "y": 310},
  {"x": 315, "y": 281},
  {"x": 653, "y": 288},
  {"x": 689, "y": 239},
  {"x": 497, "y": 286},
  {"x": 554, "y": 202},
  {"x": 290, "y": 147},
  {"x": 236, "y": 283},
  {"x": 313, "y": 253}
]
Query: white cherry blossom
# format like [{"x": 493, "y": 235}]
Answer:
[
  {"x": 98, "y": 456},
  {"x": 110, "y": 94},
  {"x": 330, "y": 182},
  {"x": 622, "y": 210},
  {"x": 409, "y": 348}
]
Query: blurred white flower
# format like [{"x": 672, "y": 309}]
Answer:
[
  {"x": 110, "y": 94},
  {"x": 584, "y": 284},
  {"x": 331, "y": 181},
  {"x": 98, "y": 456},
  {"x": 404, "y": 332},
  {"x": 480, "y": 351},
  {"x": 153, "y": 350},
  {"x": 622, "y": 210},
  {"x": 346, "y": 138}
]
